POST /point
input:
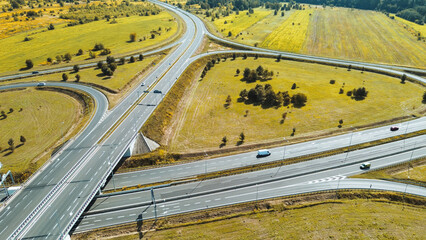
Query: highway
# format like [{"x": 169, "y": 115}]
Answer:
[
  {"x": 315, "y": 58},
  {"x": 239, "y": 195},
  {"x": 85, "y": 65},
  {"x": 245, "y": 159},
  {"x": 314, "y": 175},
  {"x": 80, "y": 181},
  {"x": 53, "y": 200}
]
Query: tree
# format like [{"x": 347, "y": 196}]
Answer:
[
  {"x": 122, "y": 60},
  {"x": 80, "y": 52},
  {"x": 299, "y": 99},
  {"x": 259, "y": 70},
  {"x": 244, "y": 56},
  {"x": 237, "y": 72},
  {"x": 229, "y": 34},
  {"x": 279, "y": 58},
  {"x": 293, "y": 86},
  {"x": 424, "y": 97},
  {"x": 242, "y": 137},
  {"x": 234, "y": 56},
  {"x": 22, "y": 139},
  {"x": 76, "y": 68},
  {"x": 112, "y": 66},
  {"x": 403, "y": 78},
  {"x": 64, "y": 77},
  {"x": 140, "y": 57},
  {"x": 132, "y": 37},
  {"x": 11, "y": 144},
  {"x": 246, "y": 73},
  {"x": 341, "y": 121},
  {"x": 49, "y": 60},
  {"x": 58, "y": 58},
  {"x": 29, "y": 63},
  {"x": 77, "y": 78},
  {"x": 243, "y": 94},
  {"x": 51, "y": 27},
  {"x": 132, "y": 59},
  {"x": 224, "y": 140},
  {"x": 67, "y": 57},
  {"x": 360, "y": 93},
  {"x": 282, "y": 14},
  {"x": 228, "y": 101},
  {"x": 99, "y": 65},
  {"x": 153, "y": 36},
  {"x": 110, "y": 59}
]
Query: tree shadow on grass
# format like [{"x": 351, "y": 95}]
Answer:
[
  {"x": 239, "y": 143},
  {"x": 7, "y": 154},
  {"x": 24, "y": 69}
]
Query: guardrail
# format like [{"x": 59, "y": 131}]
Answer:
[{"x": 41, "y": 205}]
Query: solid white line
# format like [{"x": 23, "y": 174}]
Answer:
[
  {"x": 4, "y": 229},
  {"x": 28, "y": 204}
]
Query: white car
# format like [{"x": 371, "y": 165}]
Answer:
[{"x": 365, "y": 165}]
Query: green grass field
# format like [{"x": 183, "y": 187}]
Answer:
[
  {"x": 204, "y": 121},
  {"x": 42, "y": 122},
  {"x": 347, "y": 219},
  {"x": 70, "y": 39}
]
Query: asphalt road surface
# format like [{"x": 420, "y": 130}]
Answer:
[
  {"x": 176, "y": 172},
  {"x": 86, "y": 174},
  {"x": 53, "y": 200}
]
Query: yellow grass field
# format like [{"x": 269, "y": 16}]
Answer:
[
  {"x": 121, "y": 77},
  {"x": 70, "y": 39},
  {"x": 362, "y": 35},
  {"x": 416, "y": 27},
  {"x": 9, "y": 27},
  {"x": 257, "y": 32},
  {"x": 205, "y": 120},
  {"x": 238, "y": 23},
  {"x": 291, "y": 34},
  {"x": 347, "y": 219},
  {"x": 45, "y": 116},
  {"x": 334, "y": 32}
]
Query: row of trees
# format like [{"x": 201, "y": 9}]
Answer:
[
  {"x": 11, "y": 143},
  {"x": 267, "y": 97},
  {"x": 94, "y": 12},
  {"x": 242, "y": 137},
  {"x": 412, "y": 10},
  {"x": 260, "y": 73}
]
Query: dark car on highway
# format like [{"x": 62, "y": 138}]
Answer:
[{"x": 394, "y": 128}]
